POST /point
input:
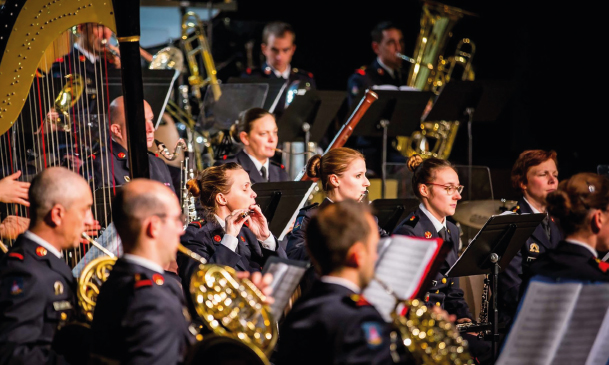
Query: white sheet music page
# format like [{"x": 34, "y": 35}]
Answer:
[
  {"x": 599, "y": 353},
  {"x": 540, "y": 324},
  {"x": 402, "y": 265}
]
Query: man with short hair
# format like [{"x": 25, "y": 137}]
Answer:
[
  {"x": 278, "y": 47},
  {"x": 37, "y": 289},
  {"x": 333, "y": 323}
]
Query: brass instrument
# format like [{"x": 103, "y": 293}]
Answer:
[
  {"x": 429, "y": 337},
  {"x": 68, "y": 96},
  {"x": 189, "y": 208},
  {"x": 163, "y": 151},
  {"x": 169, "y": 57},
  {"x": 430, "y": 71}
]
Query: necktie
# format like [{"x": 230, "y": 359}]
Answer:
[
  {"x": 442, "y": 234},
  {"x": 546, "y": 226},
  {"x": 263, "y": 173}
]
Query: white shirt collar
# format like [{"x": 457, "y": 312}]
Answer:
[
  {"x": 531, "y": 206},
  {"x": 138, "y": 260},
  {"x": 285, "y": 74},
  {"x": 340, "y": 281},
  {"x": 43, "y": 243},
  {"x": 221, "y": 221},
  {"x": 583, "y": 244},
  {"x": 436, "y": 223},
  {"x": 387, "y": 68},
  {"x": 86, "y": 53},
  {"x": 258, "y": 164}
]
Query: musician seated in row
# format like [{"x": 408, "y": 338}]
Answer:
[
  {"x": 37, "y": 291},
  {"x": 342, "y": 172},
  {"x": 436, "y": 184},
  {"x": 232, "y": 230},
  {"x": 114, "y": 171},
  {"x": 333, "y": 323},
  {"x": 257, "y": 131},
  {"x": 535, "y": 175}
]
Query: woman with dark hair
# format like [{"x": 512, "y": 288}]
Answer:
[
  {"x": 535, "y": 175},
  {"x": 233, "y": 231},
  {"x": 581, "y": 207},
  {"x": 257, "y": 131}
]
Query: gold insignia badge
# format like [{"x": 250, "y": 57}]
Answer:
[
  {"x": 533, "y": 247},
  {"x": 427, "y": 234},
  {"x": 58, "y": 286},
  {"x": 127, "y": 179},
  {"x": 41, "y": 251}
]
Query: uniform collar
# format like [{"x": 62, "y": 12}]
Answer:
[
  {"x": 38, "y": 240},
  {"x": 258, "y": 164},
  {"x": 342, "y": 282},
  {"x": 138, "y": 260},
  {"x": 387, "y": 68},
  {"x": 86, "y": 53},
  {"x": 221, "y": 221},
  {"x": 285, "y": 74},
  {"x": 436, "y": 223},
  {"x": 531, "y": 206},
  {"x": 583, "y": 244}
]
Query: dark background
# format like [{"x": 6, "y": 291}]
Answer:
[{"x": 542, "y": 47}]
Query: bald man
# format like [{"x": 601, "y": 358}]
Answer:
[
  {"x": 117, "y": 166},
  {"x": 141, "y": 316},
  {"x": 36, "y": 286}
]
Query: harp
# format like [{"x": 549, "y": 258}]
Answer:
[{"x": 32, "y": 32}]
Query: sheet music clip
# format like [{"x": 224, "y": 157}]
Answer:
[{"x": 490, "y": 252}]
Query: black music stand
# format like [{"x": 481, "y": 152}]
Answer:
[
  {"x": 286, "y": 276},
  {"x": 157, "y": 88},
  {"x": 491, "y": 252},
  {"x": 276, "y": 88},
  {"x": 390, "y": 212},
  {"x": 279, "y": 200},
  {"x": 395, "y": 113}
]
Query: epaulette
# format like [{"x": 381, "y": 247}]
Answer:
[
  {"x": 602, "y": 265},
  {"x": 141, "y": 281},
  {"x": 302, "y": 72},
  {"x": 515, "y": 209},
  {"x": 281, "y": 166},
  {"x": 227, "y": 157},
  {"x": 358, "y": 300},
  {"x": 16, "y": 254},
  {"x": 198, "y": 223},
  {"x": 412, "y": 221},
  {"x": 361, "y": 71}
]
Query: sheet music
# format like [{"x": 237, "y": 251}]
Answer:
[
  {"x": 599, "y": 354},
  {"x": 584, "y": 325},
  {"x": 285, "y": 280},
  {"x": 540, "y": 324},
  {"x": 401, "y": 266},
  {"x": 109, "y": 239}
]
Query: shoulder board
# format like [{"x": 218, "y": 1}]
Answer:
[
  {"x": 515, "y": 209},
  {"x": 142, "y": 281},
  {"x": 309, "y": 207},
  {"x": 16, "y": 254},
  {"x": 357, "y": 300},
  {"x": 602, "y": 265},
  {"x": 302, "y": 72},
  {"x": 412, "y": 221},
  {"x": 361, "y": 71},
  {"x": 278, "y": 164},
  {"x": 227, "y": 157},
  {"x": 198, "y": 223}
]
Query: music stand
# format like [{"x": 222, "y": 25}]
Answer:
[
  {"x": 491, "y": 252},
  {"x": 276, "y": 88},
  {"x": 279, "y": 200},
  {"x": 286, "y": 276},
  {"x": 157, "y": 88},
  {"x": 394, "y": 113},
  {"x": 390, "y": 212}
]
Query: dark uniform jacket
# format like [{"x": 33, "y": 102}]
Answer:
[
  {"x": 37, "y": 297},
  {"x": 510, "y": 279},
  {"x": 140, "y": 318},
  {"x": 118, "y": 167},
  {"x": 333, "y": 325},
  {"x": 445, "y": 291},
  {"x": 366, "y": 77},
  {"x": 276, "y": 171},
  {"x": 300, "y": 78}
]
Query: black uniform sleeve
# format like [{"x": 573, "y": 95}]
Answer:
[{"x": 296, "y": 247}]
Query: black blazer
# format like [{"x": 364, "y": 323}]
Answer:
[
  {"x": 510, "y": 280},
  {"x": 444, "y": 290},
  {"x": 333, "y": 325},
  {"x": 276, "y": 172},
  {"x": 132, "y": 306},
  {"x": 37, "y": 295}
]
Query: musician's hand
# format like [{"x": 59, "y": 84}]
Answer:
[
  {"x": 91, "y": 230},
  {"x": 258, "y": 224},
  {"x": 12, "y": 226},
  {"x": 115, "y": 58},
  {"x": 234, "y": 222},
  {"x": 443, "y": 314},
  {"x": 262, "y": 282},
  {"x": 73, "y": 162},
  {"x": 145, "y": 55},
  {"x": 463, "y": 320},
  {"x": 13, "y": 191},
  {"x": 52, "y": 121}
]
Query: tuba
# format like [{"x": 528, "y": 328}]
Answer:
[{"x": 431, "y": 71}]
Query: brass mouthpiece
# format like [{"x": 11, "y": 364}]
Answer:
[{"x": 98, "y": 245}]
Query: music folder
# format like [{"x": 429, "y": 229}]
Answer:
[
  {"x": 286, "y": 276},
  {"x": 278, "y": 201},
  {"x": 560, "y": 322},
  {"x": 407, "y": 265}
]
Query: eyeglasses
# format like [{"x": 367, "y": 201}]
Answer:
[
  {"x": 182, "y": 217},
  {"x": 450, "y": 189}
]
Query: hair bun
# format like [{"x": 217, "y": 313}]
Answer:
[
  {"x": 559, "y": 204},
  {"x": 314, "y": 167},
  {"x": 193, "y": 187},
  {"x": 413, "y": 162}
]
